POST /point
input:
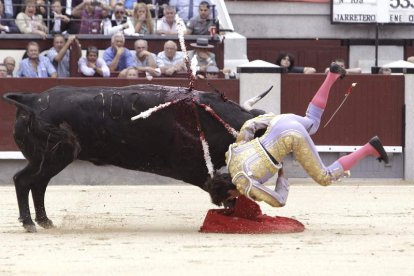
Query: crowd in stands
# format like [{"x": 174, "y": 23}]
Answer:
[
  {"x": 116, "y": 18},
  {"x": 64, "y": 19},
  {"x": 138, "y": 17},
  {"x": 117, "y": 60}
]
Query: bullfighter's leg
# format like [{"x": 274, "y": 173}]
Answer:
[
  {"x": 318, "y": 103},
  {"x": 297, "y": 140}
]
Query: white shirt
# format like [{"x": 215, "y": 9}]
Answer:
[
  {"x": 88, "y": 71},
  {"x": 164, "y": 27}
]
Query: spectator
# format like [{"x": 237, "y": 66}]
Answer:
[
  {"x": 187, "y": 9},
  {"x": 59, "y": 53},
  {"x": 59, "y": 23},
  {"x": 74, "y": 23},
  {"x": 7, "y": 23},
  {"x": 91, "y": 13},
  {"x": 212, "y": 72},
  {"x": 385, "y": 71},
  {"x": 41, "y": 9},
  {"x": 201, "y": 24},
  {"x": 10, "y": 64},
  {"x": 120, "y": 22},
  {"x": 35, "y": 66},
  {"x": 156, "y": 7},
  {"x": 117, "y": 57},
  {"x": 3, "y": 71},
  {"x": 287, "y": 60},
  {"x": 92, "y": 65},
  {"x": 142, "y": 19},
  {"x": 145, "y": 61},
  {"x": 30, "y": 23},
  {"x": 167, "y": 25},
  {"x": 341, "y": 63},
  {"x": 200, "y": 56},
  {"x": 130, "y": 73},
  {"x": 170, "y": 61}
]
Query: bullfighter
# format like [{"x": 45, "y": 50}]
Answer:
[{"x": 253, "y": 161}]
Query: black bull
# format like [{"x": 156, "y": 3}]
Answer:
[{"x": 60, "y": 125}]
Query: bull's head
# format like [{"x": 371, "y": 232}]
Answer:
[{"x": 219, "y": 187}]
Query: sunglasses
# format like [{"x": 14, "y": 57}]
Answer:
[{"x": 119, "y": 12}]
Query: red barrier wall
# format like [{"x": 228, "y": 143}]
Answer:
[
  {"x": 229, "y": 87},
  {"x": 375, "y": 106}
]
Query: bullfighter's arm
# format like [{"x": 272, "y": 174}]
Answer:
[{"x": 251, "y": 126}]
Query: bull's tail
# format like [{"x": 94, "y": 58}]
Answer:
[
  {"x": 49, "y": 137},
  {"x": 21, "y": 100}
]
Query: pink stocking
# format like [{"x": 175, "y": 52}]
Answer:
[
  {"x": 321, "y": 97},
  {"x": 350, "y": 160}
]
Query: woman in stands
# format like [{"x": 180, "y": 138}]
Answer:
[
  {"x": 142, "y": 19},
  {"x": 287, "y": 60},
  {"x": 30, "y": 23}
]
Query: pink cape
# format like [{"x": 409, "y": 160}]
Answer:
[{"x": 246, "y": 218}]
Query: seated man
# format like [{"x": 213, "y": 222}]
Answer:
[
  {"x": 170, "y": 61},
  {"x": 117, "y": 57},
  {"x": 186, "y": 9},
  {"x": 119, "y": 21},
  {"x": 252, "y": 161},
  {"x": 92, "y": 65},
  {"x": 200, "y": 57},
  {"x": 3, "y": 71},
  {"x": 91, "y": 14},
  {"x": 201, "y": 24},
  {"x": 7, "y": 23},
  {"x": 10, "y": 64},
  {"x": 59, "y": 22},
  {"x": 167, "y": 24},
  {"x": 36, "y": 66},
  {"x": 59, "y": 54},
  {"x": 145, "y": 61}
]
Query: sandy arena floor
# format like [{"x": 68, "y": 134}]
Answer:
[{"x": 354, "y": 228}]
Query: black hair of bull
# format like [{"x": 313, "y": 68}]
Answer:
[{"x": 218, "y": 188}]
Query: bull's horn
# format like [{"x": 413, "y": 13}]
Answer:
[{"x": 248, "y": 105}]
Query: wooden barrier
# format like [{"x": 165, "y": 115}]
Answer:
[
  {"x": 229, "y": 87},
  {"x": 375, "y": 107}
]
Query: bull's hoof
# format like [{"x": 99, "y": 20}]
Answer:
[
  {"x": 30, "y": 228},
  {"x": 45, "y": 223},
  {"x": 28, "y": 224}
]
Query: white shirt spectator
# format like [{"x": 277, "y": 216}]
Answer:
[
  {"x": 88, "y": 71},
  {"x": 163, "y": 60}
]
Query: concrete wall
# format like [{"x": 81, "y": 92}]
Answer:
[
  {"x": 302, "y": 20},
  {"x": 283, "y": 20}
]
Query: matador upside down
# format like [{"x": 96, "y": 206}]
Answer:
[{"x": 252, "y": 161}]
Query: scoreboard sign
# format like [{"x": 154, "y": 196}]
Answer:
[{"x": 372, "y": 11}]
